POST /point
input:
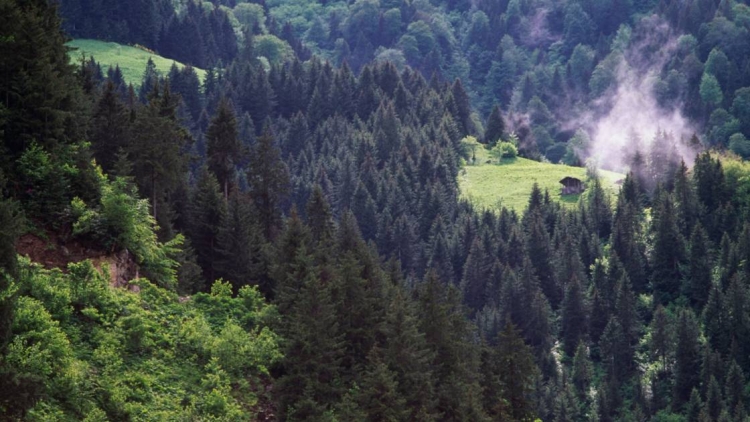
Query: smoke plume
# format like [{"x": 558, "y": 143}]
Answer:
[{"x": 627, "y": 117}]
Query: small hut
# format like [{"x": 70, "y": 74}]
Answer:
[{"x": 571, "y": 185}]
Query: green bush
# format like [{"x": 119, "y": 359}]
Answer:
[
  {"x": 122, "y": 221},
  {"x": 504, "y": 150}
]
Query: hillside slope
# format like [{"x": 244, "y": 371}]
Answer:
[
  {"x": 509, "y": 183},
  {"x": 132, "y": 60}
]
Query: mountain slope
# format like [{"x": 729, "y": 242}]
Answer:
[{"x": 132, "y": 60}]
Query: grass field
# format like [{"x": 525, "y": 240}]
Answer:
[
  {"x": 132, "y": 60},
  {"x": 509, "y": 183}
]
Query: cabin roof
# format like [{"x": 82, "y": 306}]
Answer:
[{"x": 567, "y": 180}]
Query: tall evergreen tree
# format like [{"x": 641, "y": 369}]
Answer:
[
  {"x": 158, "y": 149},
  {"x": 573, "y": 317},
  {"x": 668, "y": 256},
  {"x": 495, "y": 129},
  {"x": 699, "y": 270},
  {"x": 240, "y": 246},
  {"x": 224, "y": 148},
  {"x": 515, "y": 371},
  {"x": 309, "y": 386},
  {"x": 407, "y": 354},
  {"x": 110, "y": 127},
  {"x": 687, "y": 358},
  {"x": 207, "y": 211},
  {"x": 268, "y": 178},
  {"x": 455, "y": 360}
]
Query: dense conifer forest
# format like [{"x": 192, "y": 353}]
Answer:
[{"x": 285, "y": 239}]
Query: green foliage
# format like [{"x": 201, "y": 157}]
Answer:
[
  {"x": 272, "y": 48},
  {"x": 740, "y": 145},
  {"x": 122, "y": 221},
  {"x": 504, "y": 150},
  {"x": 710, "y": 90},
  {"x": 85, "y": 348}
]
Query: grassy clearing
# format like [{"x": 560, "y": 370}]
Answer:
[
  {"x": 132, "y": 60},
  {"x": 509, "y": 183}
]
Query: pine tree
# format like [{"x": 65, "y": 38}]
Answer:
[
  {"x": 737, "y": 321},
  {"x": 583, "y": 371},
  {"x": 158, "y": 149},
  {"x": 573, "y": 317},
  {"x": 320, "y": 217},
  {"x": 455, "y": 361},
  {"x": 662, "y": 339},
  {"x": 734, "y": 386},
  {"x": 495, "y": 129},
  {"x": 378, "y": 396},
  {"x": 309, "y": 385},
  {"x": 699, "y": 270},
  {"x": 407, "y": 354},
  {"x": 715, "y": 321},
  {"x": 693, "y": 407},
  {"x": 538, "y": 248},
  {"x": 463, "y": 108},
  {"x": 625, "y": 233},
  {"x": 207, "y": 211},
  {"x": 39, "y": 89},
  {"x": 713, "y": 404},
  {"x": 239, "y": 245},
  {"x": 476, "y": 275},
  {"x": 668, "y": 256},
  {"x": 687, "y": 358},
  {"x": 686, "y": 201},
  {"x": 224, "y": 149},
  {"x": 268, "y": 177},
  {"x": 600, "y": 210},
  {"x": 110, "y": 127},
  {"x": 516, "y": 372}
]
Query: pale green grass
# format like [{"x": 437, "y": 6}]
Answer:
[
  {"x": 509, "y": 184},
  {"x": 132, "y": 60}
]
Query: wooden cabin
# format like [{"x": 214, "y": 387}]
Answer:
[{"x": 572, "y": 186}]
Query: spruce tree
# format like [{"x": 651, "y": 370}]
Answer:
[
  {"x": 224, "y": 148},
  {"x": 407, "y": 354},
  {"x": 516, "y": 372},
  {"x": 207, "y": 211},
  {"x": 538, "y": 249},
  {"x": 495, "y": 130},
  {"x": 268, "y": 177},
  {"x": 599, "y": 209},
  {"x": 573, "y": 317},
  {"x": 455, "y": 359},
  {"x": 378, "y": 396},
  {"x": 463, "y": 108},
  {"x": 158, "y": 150},
  {"x": 583, "y": 371},
  {"x": 734, "y": 386},
  {"x": 662, "y": 338},
  {"x": 110, "y": 127},
  {"x": 693, "y": 407},
  {"x": 687, "y": 358},
  {"x": 699, "y": 270},
  {"x": 310, "y": 382},
  {"x": 668, "y": 256},
  {"x": 240, "y": 246}
]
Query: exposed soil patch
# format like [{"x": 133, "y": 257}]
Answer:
[{"x": 53, "y": 252}]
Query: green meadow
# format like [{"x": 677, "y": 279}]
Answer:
[
  {"x": 132, "y": 60},
  {"x": 492, "y": 185}
]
